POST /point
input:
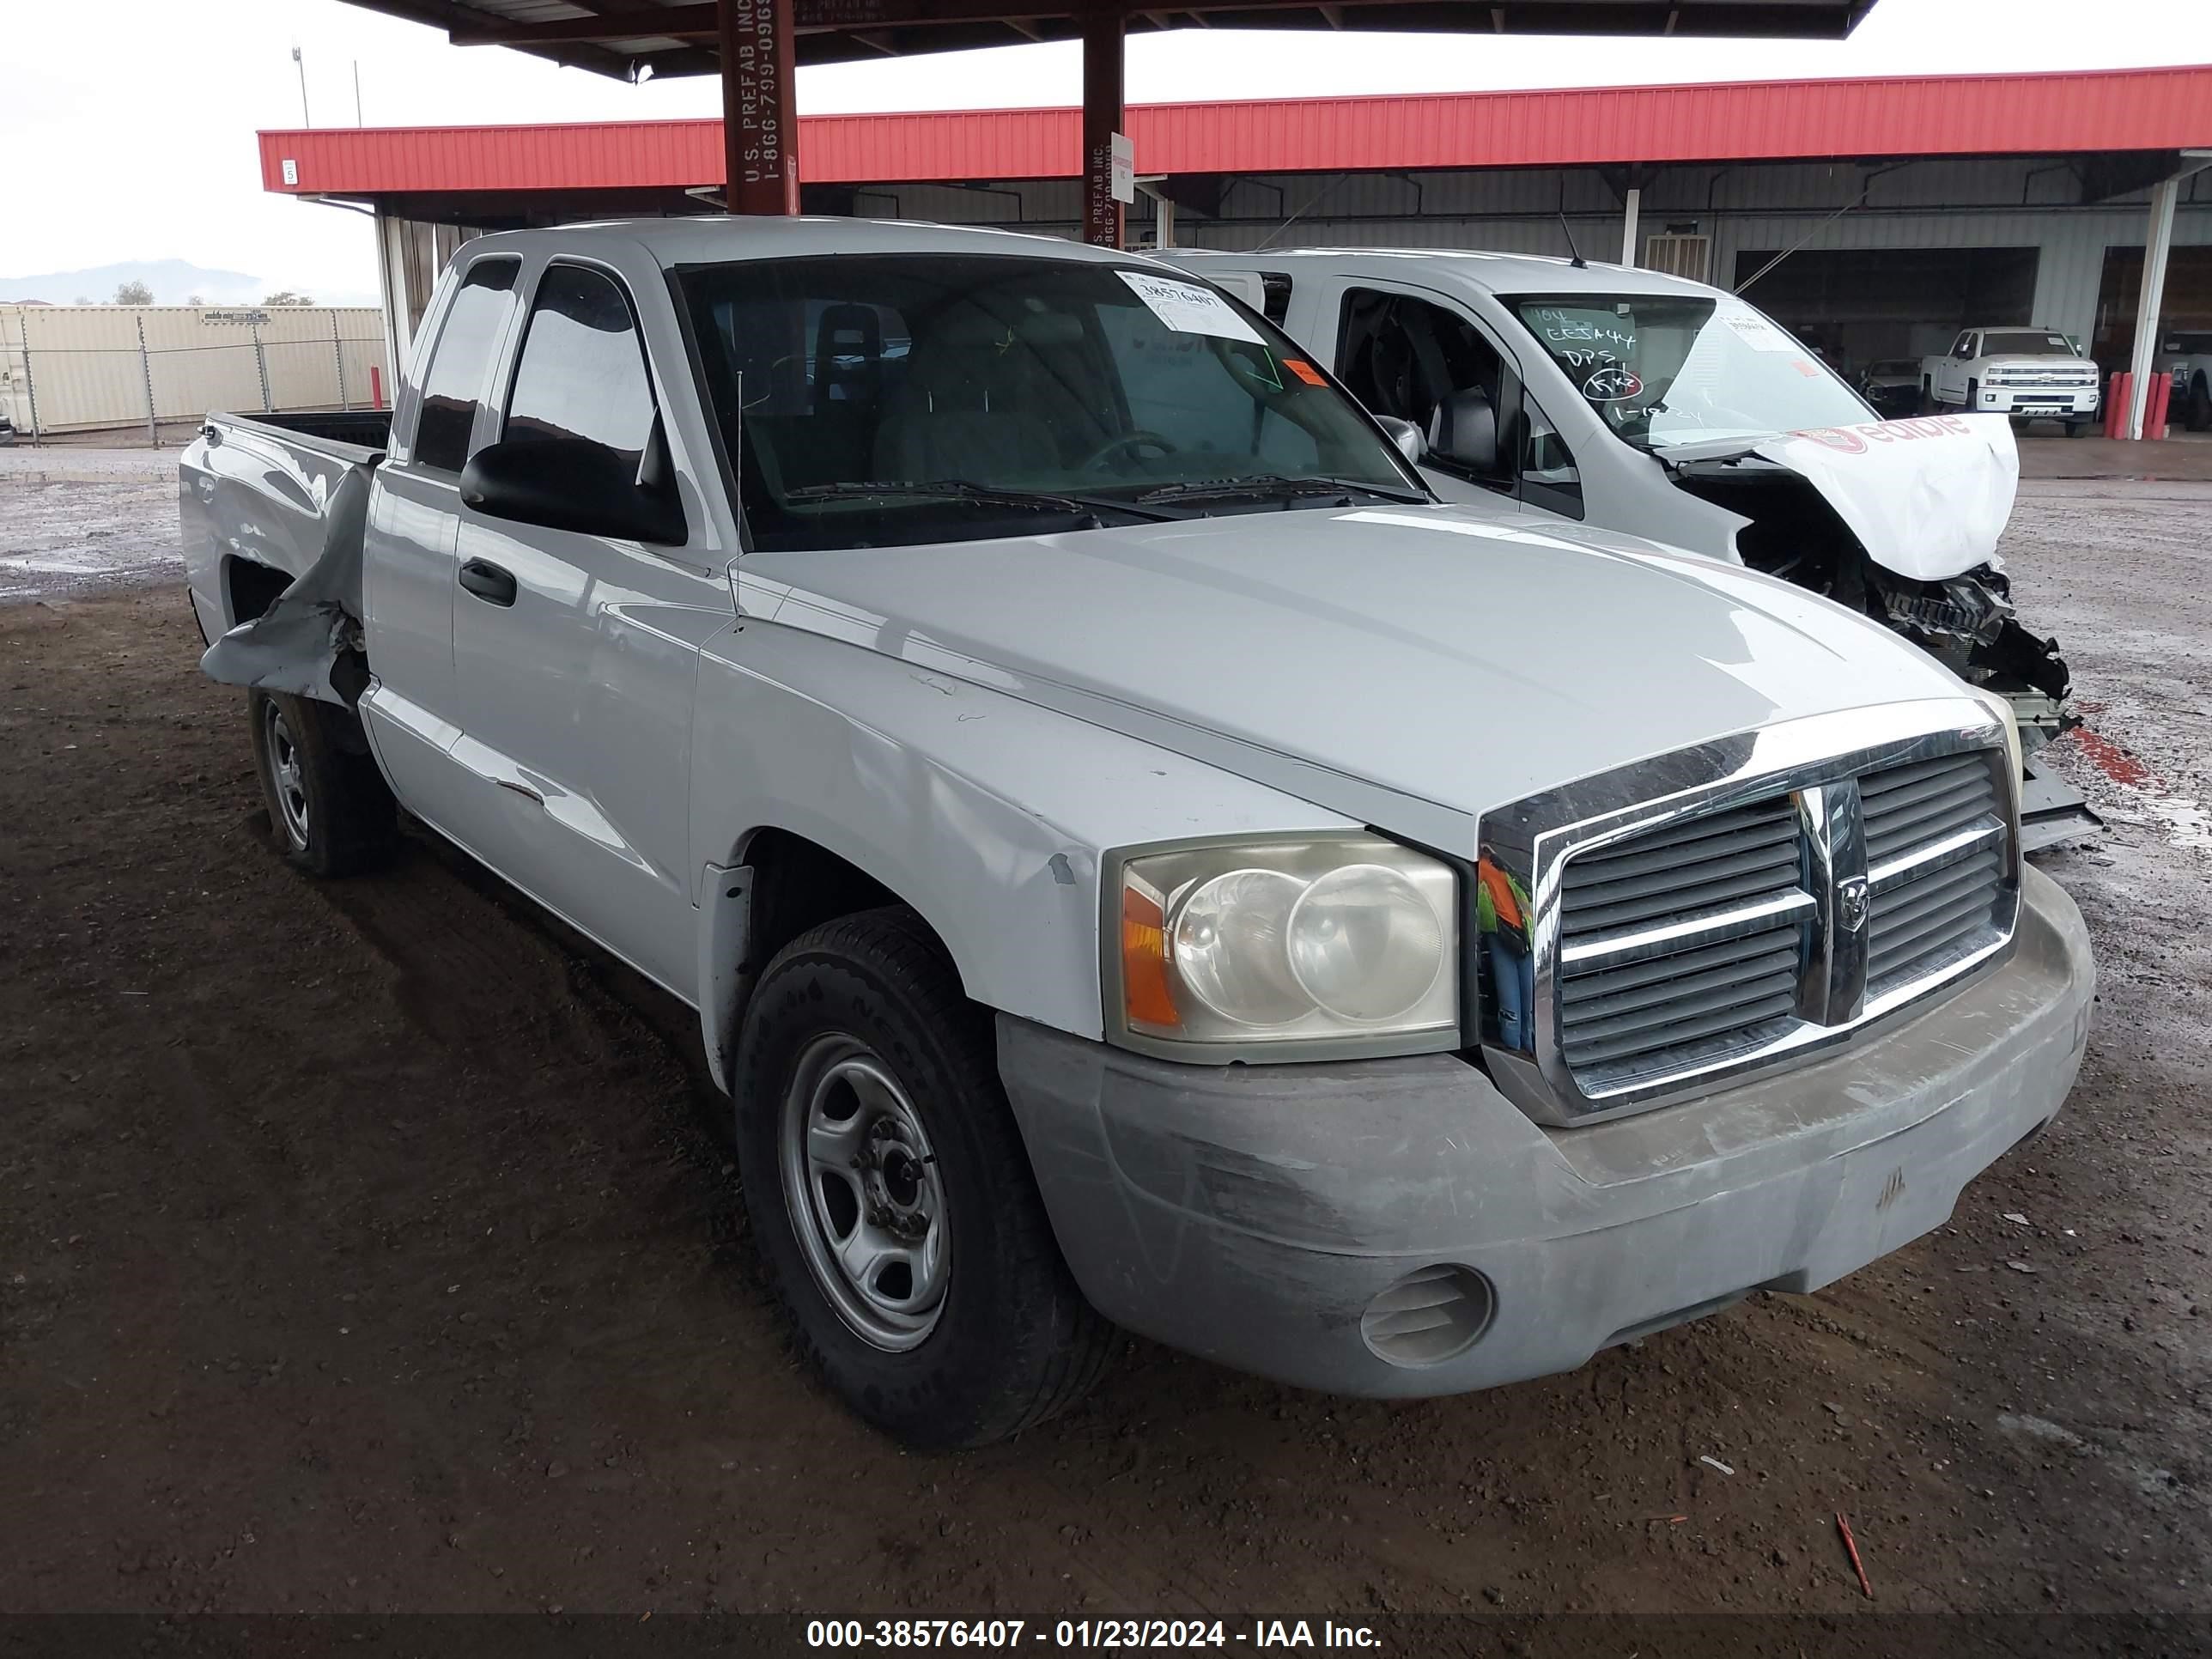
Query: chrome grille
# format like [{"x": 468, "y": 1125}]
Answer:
[
  {"x": 1934, "y": 837},
  {"x": 1773, "y": 892},
  {"x": 1642, "y": 978}
]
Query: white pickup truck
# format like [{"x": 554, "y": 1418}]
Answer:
[
  {"x": 1138, "y": 860},
  {"x": 2188, "y": 358},
  {"x": 1557, "y": 390},
  {"x": 2026, "y": 374}
]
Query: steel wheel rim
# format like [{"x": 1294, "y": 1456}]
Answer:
[
  {"x": 288, "y": 776},
  {"x": 866, "y": 1203}
]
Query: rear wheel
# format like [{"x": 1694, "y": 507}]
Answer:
[
  {"x": 330, "y": 811},
  {"x": 891, "y": 1194},
  {"x": 2199, "y": 417}
]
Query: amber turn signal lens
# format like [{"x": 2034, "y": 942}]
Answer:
[{"x": 1147, "y": 997}]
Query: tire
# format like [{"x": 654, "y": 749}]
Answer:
[
  {"x": 1928, "y": 404},
  {"x": 2199, "y": 417},
  {"x": 330, "y": 811},
  {"x": 2076, "y": 428},
  {"x": 1973, "y": 398},
  {"x": 862, "y": 1023}
]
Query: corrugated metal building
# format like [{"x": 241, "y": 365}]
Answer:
[
  {"x": 68, "y": 368},
  {"x": 1907, "y": 208}
]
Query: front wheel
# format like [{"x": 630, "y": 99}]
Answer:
[
  {"x": 2076, "y": 428},
  {"x": 2199, "y": 417},
  {"x": 891, "y": 1195}
]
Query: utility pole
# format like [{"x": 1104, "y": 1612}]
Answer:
[{"x": 306, "y": 120}]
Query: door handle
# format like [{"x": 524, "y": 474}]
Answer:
[{"x": 488, "y": 581}]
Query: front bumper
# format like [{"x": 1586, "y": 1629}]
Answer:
[
  {"x": 2029, "y": 402},
  {"x": 1252, "y": 1214}
]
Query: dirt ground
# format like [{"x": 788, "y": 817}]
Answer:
[{"x": 371, "y": 1247}]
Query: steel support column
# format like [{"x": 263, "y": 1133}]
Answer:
[
  {"x": 1103, "y": 115},
  {"x": 2157, "y": 247},
  {"x": 1631, "y": 208},
  {"x": 760, "y": 114}
]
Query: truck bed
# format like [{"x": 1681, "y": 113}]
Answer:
[{"x": 272, "y": 509}]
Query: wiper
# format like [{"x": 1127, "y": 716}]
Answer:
[
  {"x": 1267, "y": 486},
  {"x": 962, "y": 490}
]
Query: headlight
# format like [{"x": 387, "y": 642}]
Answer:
[{"x": 1322, "y": 946}]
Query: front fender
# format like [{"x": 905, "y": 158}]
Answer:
[{"x": 986, "y": 813}]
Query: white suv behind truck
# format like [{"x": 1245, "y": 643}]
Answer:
[
  {"x": 2029, "y": 374},
  {"x": 1137, "y": 857}
]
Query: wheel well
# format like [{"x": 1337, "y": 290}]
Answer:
[
  {"x": 798, "y": 883},
  {"x": 252, "y": 588},
  {"x": 793, "y": 884}
]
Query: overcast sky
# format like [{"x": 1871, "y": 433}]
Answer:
[{"x": 128, "y": 126}]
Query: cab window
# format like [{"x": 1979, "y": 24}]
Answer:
[
  {"x": 582, "y": 372},
  {"x": 454, "y": 386}
]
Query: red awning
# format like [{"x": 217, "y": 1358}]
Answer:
[{"x": 2071, "y": 113}]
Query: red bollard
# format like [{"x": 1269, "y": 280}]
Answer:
[
  {"x": 2154, "y": 406},
  {"x": 375, "y": 387},
  {"x": 2116, "y": 402}
]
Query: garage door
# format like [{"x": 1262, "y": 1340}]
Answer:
[
  {"x": 1858, "y": 305},
  {"x": 2188, "y": 299}
]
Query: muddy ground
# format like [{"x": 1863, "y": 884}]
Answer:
[{"x": 372, "y": 1247}]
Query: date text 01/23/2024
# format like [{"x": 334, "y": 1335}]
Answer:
[{"x": 1086, "y": 1633}]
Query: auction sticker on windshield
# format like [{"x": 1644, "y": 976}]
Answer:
[
  {"x": 1757, "y": 332},
  {"x": 1187, "y": 309}
]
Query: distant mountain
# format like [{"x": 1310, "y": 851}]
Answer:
[{"x": 174, "y": 283}]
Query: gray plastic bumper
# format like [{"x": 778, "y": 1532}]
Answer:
[{"x": 1252, "y": 1213}]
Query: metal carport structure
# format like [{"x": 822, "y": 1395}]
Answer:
[{"x": 755, "y": 45}]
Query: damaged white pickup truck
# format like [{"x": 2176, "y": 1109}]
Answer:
[{"x": 1137, "y": 857}]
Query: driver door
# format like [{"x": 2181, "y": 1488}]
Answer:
[{"x": 577, "y": 655}]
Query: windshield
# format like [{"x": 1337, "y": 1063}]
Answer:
[
  {"x": 879, "y": 399},
  {"x": 2024, "y": 342},
  {"x": 1678, "y": 368}
]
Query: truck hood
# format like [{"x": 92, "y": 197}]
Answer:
[
  {"x": 1927, "y": 498},
  {"x": 1436, "y": 654}
]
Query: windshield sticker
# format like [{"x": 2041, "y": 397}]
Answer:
[
  {"x": 1757, "y": 332},
  {"x": 1187, "y": 309},
  {"x": 1304, "y": 371},
  {"x": 1611, "y": 386}
]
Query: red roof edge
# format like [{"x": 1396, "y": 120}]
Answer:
[{"x": 2055, "y": 112}]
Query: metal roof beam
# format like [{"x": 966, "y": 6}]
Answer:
[{"x": 1803, "y": 19}]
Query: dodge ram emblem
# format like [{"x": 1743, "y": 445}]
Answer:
[{"x": 1851, "y": 903}]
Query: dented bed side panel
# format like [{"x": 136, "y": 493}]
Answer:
[{"x": 254, "y": 495}]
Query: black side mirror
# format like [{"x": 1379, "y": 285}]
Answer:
[
  {"x": 572, "y": 483},
  {"x": 1463, "y": 430}
]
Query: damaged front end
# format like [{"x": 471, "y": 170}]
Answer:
[{"x": 1966, "y": 620}]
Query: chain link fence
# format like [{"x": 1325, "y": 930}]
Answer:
[{"x": 121, "y": 374}]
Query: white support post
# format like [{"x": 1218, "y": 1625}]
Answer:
[
  {"x": 392, "y": 270},
  {"x": 1633, "y": 208},
  {"x": 1162, "y": 222},
  {"x": 2156, "y": 249}
]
